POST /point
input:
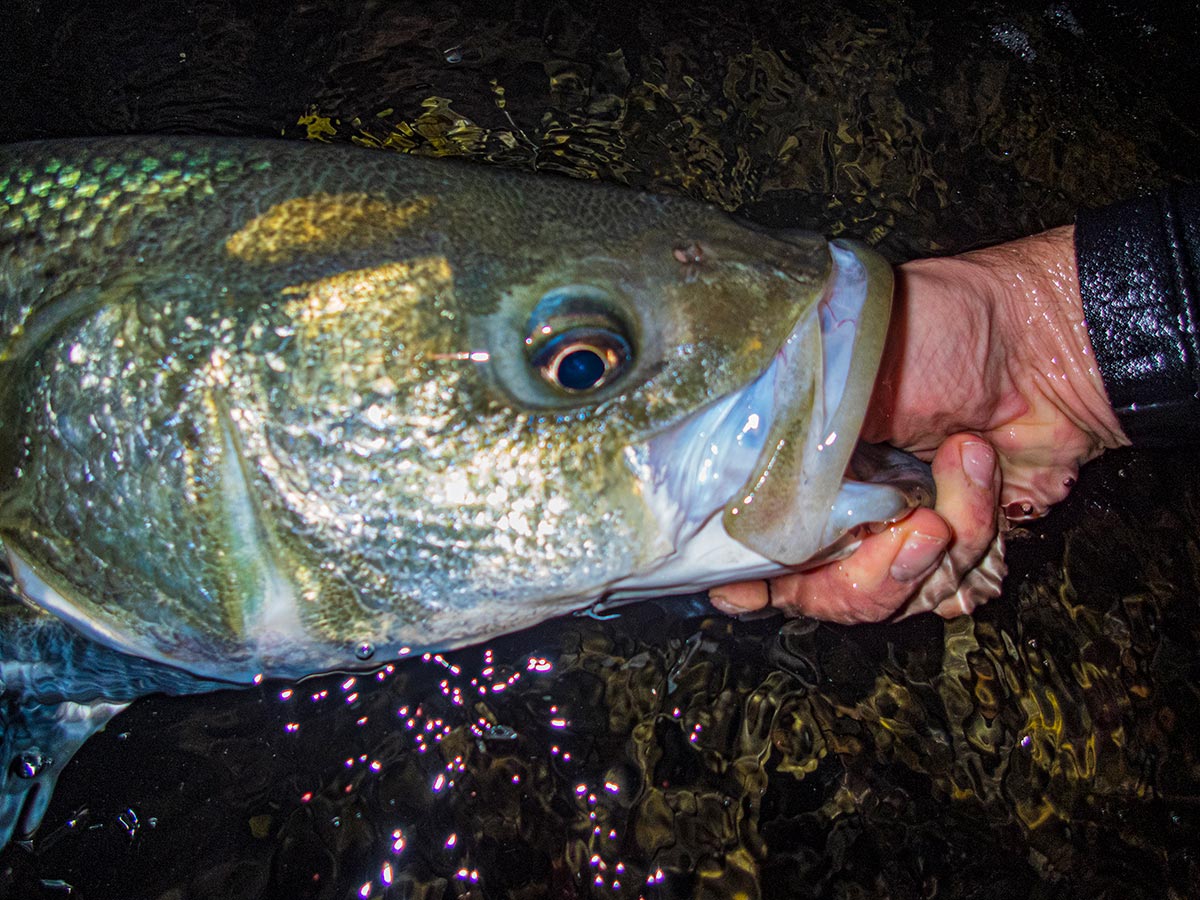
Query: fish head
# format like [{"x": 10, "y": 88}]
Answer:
[{"x": 509, "y": 423}]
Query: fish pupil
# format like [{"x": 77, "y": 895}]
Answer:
[
  {"x": 583, "y": 359},
  {"x": 580, "y": 369}
]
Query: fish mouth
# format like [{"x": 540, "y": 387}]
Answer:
[
  {"x": 785, "y": 509},
  {"x": 753, "y": 483}
]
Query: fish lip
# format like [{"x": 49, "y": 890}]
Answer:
[
  {"x": 696, "y": 472},
  {"x": 790, "y": 508}
]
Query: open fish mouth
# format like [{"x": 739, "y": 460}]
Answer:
[{"x": 755, "y": 482}]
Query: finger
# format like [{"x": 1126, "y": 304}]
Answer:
[
  {"x": 981, "y": 584},
  {"x": 740, "y": 598},
  {"x": 875, "y": 580},
  {"x": 968, "y": 485},
  {"x": 867, "y": 586}
]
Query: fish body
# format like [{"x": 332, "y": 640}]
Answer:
[{"x": 275, "y": 408}]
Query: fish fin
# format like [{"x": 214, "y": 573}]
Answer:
[
  {"x": 950, "y": 592},
  {"x": 37, "y": 740},
  {"x": 43, "y": 664}
]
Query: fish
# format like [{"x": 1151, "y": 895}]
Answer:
[{"x": 270, "y": 408}]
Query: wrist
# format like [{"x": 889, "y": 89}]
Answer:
[{"x": 1038, "y": 320}]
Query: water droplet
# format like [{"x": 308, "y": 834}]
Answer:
[
  {"x": 365, "y": 650},
  {"x": 29, "y": 763},
  {"x": 1022, "y": 511}
]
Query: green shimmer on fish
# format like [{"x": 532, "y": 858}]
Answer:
[{"x": 273, "y": 408}]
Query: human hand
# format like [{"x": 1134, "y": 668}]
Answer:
[{"x": 988, "y": 371}]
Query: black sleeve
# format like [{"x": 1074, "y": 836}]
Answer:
[{"x": 1138, "y": 265}]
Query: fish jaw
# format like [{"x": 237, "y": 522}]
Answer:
[
  {"x": 785, "y": 508},
  {"x": 754, "y": 484}
]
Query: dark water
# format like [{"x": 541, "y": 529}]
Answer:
[{"x": 1045, "y": 747}]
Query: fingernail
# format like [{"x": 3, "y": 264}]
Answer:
[
  {"x": 721, "y": 602},
  {"x": 917, "y": 557},
  {"x": 979, "y": 462}
]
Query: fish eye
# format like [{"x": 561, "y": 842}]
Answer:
[
  {"x": 576, "y": 340},
  {"x": 582, "y": 359}
]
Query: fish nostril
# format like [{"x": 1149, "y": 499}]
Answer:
[{"x": 691, "y": 254}]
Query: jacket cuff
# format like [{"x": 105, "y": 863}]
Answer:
[{"x": 1138, "y": 263}]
